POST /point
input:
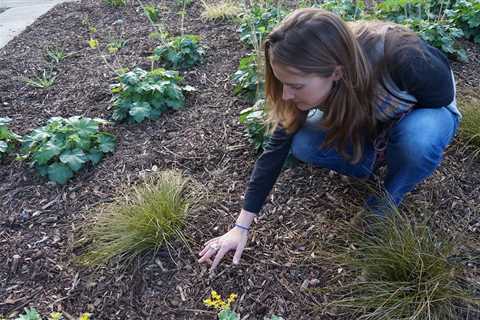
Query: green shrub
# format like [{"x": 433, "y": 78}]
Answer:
[
  {"x": 55, "y": 54},
  {"x": 144, "y": 95},
  {"x": 441, "y": 34},
  {"x": 246, "y": 80},
  {"x": 145, "y": 217},
  {"x": 258, "y": 22},
  {"x": 8, "y": 139},
  {"x": 466, "y": 15},
  {"x": 347, "y": 9},
  {"x": 64, "y": 146},
  {"x": 405, "y": 271},
  {"x": 181, "y": 52},
  {"x": 253, "y": 119}
]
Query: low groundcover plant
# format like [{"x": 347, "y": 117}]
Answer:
[
  {"x": 8, "y": 139},
  {"x": 141, "y": 95},
  {"x": 65, "y": 145},
  {"x": 144, "y": 217},
  {"x": 182, "y": 52}
]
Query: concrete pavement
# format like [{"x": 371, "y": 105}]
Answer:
[{"x": 20, "y": 14}]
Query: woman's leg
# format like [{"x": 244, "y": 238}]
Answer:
[
  {"x": 306, "y": 147},
  {"x": 415, "y": 149}
]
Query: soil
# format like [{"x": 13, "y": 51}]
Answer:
[{"x": 303, "y": 218}]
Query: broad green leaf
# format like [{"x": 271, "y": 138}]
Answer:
[
  {"x": 95, "y": 156},
  {"x": 106, "y": 142},
  {"x": 73, "y": 158},
  {"x": 59, "y": 172},
  {"x": 3, "y": 146},
  {"x": 140, "y": 111},
  {"x": 83, "y": 126},
  {"x": 46, "y": 152}
]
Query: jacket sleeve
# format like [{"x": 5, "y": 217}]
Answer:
[{"x": 267, "y": 169}]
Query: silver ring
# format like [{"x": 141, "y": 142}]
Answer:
[{"x": 214, "y": 246}]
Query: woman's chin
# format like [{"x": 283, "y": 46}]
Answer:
[{"x": 304, "y": 107}]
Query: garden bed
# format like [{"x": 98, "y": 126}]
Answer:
[{"x": 40, "y": 221}]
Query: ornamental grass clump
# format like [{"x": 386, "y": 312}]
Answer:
[
  {"x": 220, "y": 10},
  {"x": 143, "y": 218},
  {"x": 469, "y": 130},
  {"x": 65, "y": 145},
  {"x": 405, "y": 271}
]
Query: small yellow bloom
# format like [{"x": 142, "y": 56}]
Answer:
[
  {"x": 93, "y": 43},
  {"x": 55, "y": 316},
  {"x": 85, "y": 316}
]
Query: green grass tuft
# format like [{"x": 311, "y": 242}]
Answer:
[
  {"x": 403, "y": 270},
  {"x": 146, "y": 217}
]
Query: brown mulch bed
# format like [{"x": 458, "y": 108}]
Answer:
[{"x": 40, "y": 221}]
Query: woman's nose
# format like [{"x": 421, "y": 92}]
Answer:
[{"x": 287, "y": 93}]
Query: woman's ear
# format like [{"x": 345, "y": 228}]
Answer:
[{"x": 337, "y": 73}]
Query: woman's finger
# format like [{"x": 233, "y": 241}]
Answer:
[
  {"x": 210, "y": 252},
  {"x": 238, "y": 252},
  {"x": 218, "y": 258},
  {"x": 211, "y": 240}
]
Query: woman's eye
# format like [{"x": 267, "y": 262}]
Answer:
[{"x": 297, "y": 87}]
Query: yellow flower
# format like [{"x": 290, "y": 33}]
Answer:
[
  {"x": 55, "y": 316},
  {"x": 216, "y": 301},
  {"x": 85, "y": 316},
  {"x": 93, "y": 43}
]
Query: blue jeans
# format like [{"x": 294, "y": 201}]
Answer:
[{"x": 415, "y": 149}]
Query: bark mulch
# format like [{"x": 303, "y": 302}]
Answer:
[{"x": 303, "y": 218}]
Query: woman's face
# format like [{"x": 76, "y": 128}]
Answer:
[{"x": 306, "y": 91}]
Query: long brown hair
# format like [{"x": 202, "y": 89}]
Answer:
[{"x": 317, "y": 41}]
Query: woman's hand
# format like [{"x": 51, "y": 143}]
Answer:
[{"x": 235, "y": 239}]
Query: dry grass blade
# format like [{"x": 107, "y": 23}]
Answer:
[
  {"x": 146, "y": 217},
  {"x": 221, "y": 10}
]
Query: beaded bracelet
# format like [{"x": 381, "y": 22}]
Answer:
[{"x": 241, "y": 227}]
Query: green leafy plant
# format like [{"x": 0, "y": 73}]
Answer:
[
  {"x": 152, "y": 13},
  {"x": 115, "y": 45},
  {"x": 65, "y": 145},
  {"x": 441, "y": 34},
  {"x": 466, "y": 15},
  {"x": 253, "y": 119},
  {"x": 180, "y": 52},
  {"x": 8, "y": 139},
  {"x": 30, "y": 314},
  {"x": 43, "y": 81},
  {"x": 258, "y": 22},
  {"x": 216, "y": 302},
  {"x": 116, "y": 3},
  {"x": 246, "y": 80},
  {"x": 146, "y": 217},
  {"x": 55, "y": 54},
  {"x": 403, "y": 270},
  {"x": 347, "y": 9},
  {"x": 141, "y": 95}
]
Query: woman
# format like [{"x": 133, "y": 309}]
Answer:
[{"x": 382, "y": 91}]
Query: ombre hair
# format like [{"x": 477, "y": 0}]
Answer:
[{"x": 315, "y": 41}]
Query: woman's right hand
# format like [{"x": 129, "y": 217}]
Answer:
[{"x": 235, "y": 239}]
